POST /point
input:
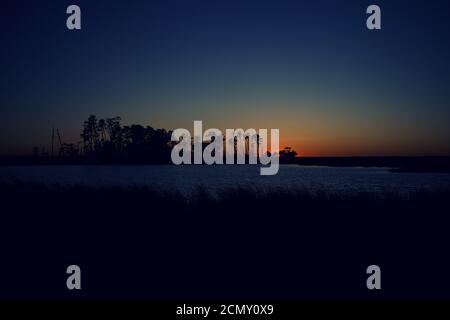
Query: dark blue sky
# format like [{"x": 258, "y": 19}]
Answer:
[{"x": 310, "y": 68}]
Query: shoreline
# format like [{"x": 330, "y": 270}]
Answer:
[{"x": 423, "y": 164}]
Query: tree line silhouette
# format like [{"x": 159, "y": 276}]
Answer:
[{"x": 108, "y": 140}]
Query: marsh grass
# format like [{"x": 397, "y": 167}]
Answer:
[{"x": 239, "y": 243}]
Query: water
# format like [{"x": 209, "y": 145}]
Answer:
[{"x": 187, "y": 178}]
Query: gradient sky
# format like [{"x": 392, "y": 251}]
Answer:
[{"x": 309, "y": 68}]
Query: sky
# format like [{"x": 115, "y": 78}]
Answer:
[{"x": 309, "y": 68}]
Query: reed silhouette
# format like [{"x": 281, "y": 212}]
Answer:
[{"x": 140, "y": 242}]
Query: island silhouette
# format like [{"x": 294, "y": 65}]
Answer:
[{"x": 107, "y": 141}]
